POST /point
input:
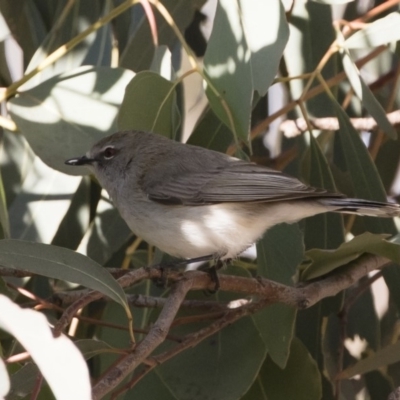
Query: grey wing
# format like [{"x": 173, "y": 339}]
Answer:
[{"x": 233, "y": 181}]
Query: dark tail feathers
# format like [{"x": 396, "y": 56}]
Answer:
[{"x": 363, "y": 207}]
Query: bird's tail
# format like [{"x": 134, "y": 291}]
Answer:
[{"x": 363, "y": 207}]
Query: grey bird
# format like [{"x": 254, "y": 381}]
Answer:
[{"x": 192, "y": 202}]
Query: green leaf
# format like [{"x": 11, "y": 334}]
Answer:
[
  {"x": 149, "y": 105},
  {"x": 325, "y": 261},
  {"x": 94, "y": 50},
  {"x": 90, "y": 348},
  {"x": 362, "y": 170},
  {"x": 139, "y": 51},
  {"x": 44, "y": 196},
  {"x": 332, "y": 2},
  {"x": 26, "y": 25},
  {"x": 324, "y": 231},
  {"x": 106, "y": 234},
  {"x": 211, "y": 133},
  {"x": 210, "y": 370},
  {"x": 64, "y": 116},
  {"x": 242, "y": 55},
  {"x": 266, "y": 33},
  {"x": 382, "y": 31},
  {"x": 383, "y": 357},
  {"x": 311, "y": 35},
  {"x": 4, "y": 222},
  {"x": 23, "y": 381},
  {"x": 300, "y": 379},
  {"x": 367, "y": 98},
  {"x": 279, "y": 253},
  {"x": 59, "y": 263}
]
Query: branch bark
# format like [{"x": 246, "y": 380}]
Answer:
[
  {"x": 292, "y": 128},
  {"x": 268, "y": 292}
]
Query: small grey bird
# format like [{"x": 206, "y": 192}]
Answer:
[{"x": 192, "y": 202}]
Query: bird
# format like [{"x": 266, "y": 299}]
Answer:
[{"x": 194, "y": 203}]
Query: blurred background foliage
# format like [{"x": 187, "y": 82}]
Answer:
[{"x": 224, "y": 75}]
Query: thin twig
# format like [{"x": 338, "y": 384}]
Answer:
[
  {"x": 143, "y": 349},
  {"x": 292, "y": 128}
]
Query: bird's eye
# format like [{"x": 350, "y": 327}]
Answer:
[{"x": 109, "y": 152}]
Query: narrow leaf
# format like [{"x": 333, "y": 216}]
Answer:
[
  {"x": 324, "y": 231},
  {"x": 60, "y": 263},
  {"x": 61, "y": 358},
  {"x": 279, "y": 253},
  {"x": 300, "y": 379},
  {"x": 149, "y": 104},
  {"x": 367, "y": 98},
  {"x": 383, "y": 357},
  {"x": 382, "y": 31},
  {"x": 64, "y": 116},
  {"x": 90, "y": 348},
  {"x": 228, "y": 68},
  {"x": 325, "y": 261},
  {"x": 362, "y": 170}
]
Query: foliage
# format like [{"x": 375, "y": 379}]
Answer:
[{"x": 92, "y": 67}]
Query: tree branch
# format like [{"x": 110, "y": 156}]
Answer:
[
  {"x": 292, "y": 128},
  {"x": 156, "y": 336}
]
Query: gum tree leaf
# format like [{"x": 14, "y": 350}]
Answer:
[
  {"x": 139, "y": 51},
  {"x": 210, "y": 369},
  {"x": 211, "y": 133},
  {"x": 382, "y": 31},
  {"x": 279, "y": 253},
  {"x": 325, "y": 261},
  {"x": 362, "y": 171},
  {"x": 94, "y": 50},
  {"x": 383, "y": 357},
  {"x": 299, "y": 380},
  {"x": 60, "y": 263},
  {"x": 64, "y": 116},
  {"x": 4, "y": 222},
  {"x": 90, "y": 348},
  {"x": 367, "y": 98},
  {"x": 325, "y": 230},
  {"x": 149, "y": 104},
  {"x": 242, "y": 55},
  {"x": 62, "y": 365}
]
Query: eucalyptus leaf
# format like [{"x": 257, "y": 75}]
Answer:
[
  {"x": 211, "y": 133},
  {"x": 382, "y": 31},
  {"x": 139, "y": 50},
  {"x": 243, "y": 55},
  {"x": 366, "y": 96},
  {"x": 149, "y": 105},
  {"x": 94, "y": 50},
  {"x": 362, "y": 171},
  {"x": 4, "y": 222},
  {"x": 324, "y": 261},
  {"x": 39, "y": 208},
  {"x": 325, "y": 230},
  {"x": 60, "y": 360},
  {"x": 60, "y": 263},
  {"x": 311, "y": 35},
  {"x": 23, "y": 381},
  {"x": 90, "y": 348},
  {"x": 332, "y": 2},
  {"x": 106, "y": 234},
  {"x": 300, "y": 380},
  {"x": 387, "y": 355},
  {"x": 64, "y": 116},
  {"x": 279, "y": 253}
]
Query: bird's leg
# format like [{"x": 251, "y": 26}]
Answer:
[
  {"x": 213, "y": 272},
  {"x": 163, "y": 280}
]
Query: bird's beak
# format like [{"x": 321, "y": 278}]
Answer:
[{"x": 80, "y": 161}]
